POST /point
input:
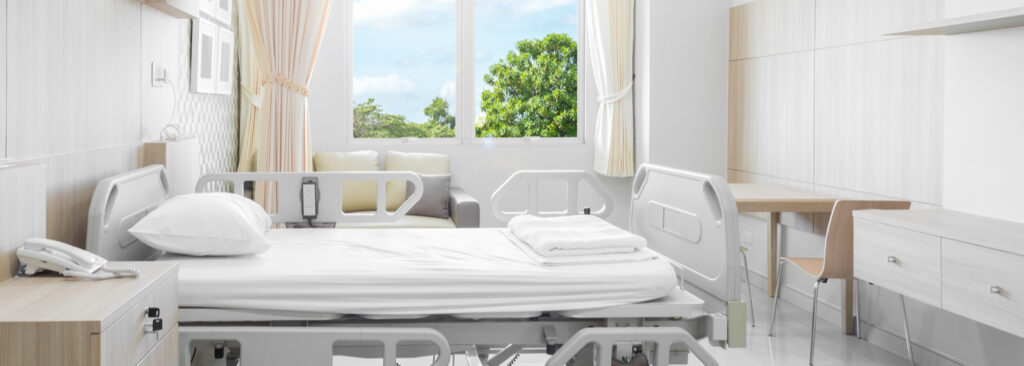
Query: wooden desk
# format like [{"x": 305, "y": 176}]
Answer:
[{"x": 775, "y": 199}]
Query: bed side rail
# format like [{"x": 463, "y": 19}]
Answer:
[
  {"x": 289, "y": 205},
  {"x": 532, "y": 179},
  {"x": 604, "y": 339},
  {"x": 307, "y": 345}
]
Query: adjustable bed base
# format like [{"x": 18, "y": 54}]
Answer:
[{"x": 689, "y": 218}]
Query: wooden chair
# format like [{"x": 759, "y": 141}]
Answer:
[{"x": 838, "y": 260}]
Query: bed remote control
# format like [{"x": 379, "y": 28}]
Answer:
[{"x": 310, "y": 196}]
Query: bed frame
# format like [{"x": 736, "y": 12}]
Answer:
[{"x": 688, "y": 217}]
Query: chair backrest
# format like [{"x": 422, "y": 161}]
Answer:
[{"x": 839, "y": 236}]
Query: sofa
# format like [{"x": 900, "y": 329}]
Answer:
[{"x": 442, "y": 205}]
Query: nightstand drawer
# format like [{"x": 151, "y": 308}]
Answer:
[
  {"x": 983, "y": 284},
  {"x": 900, "y": 260},
  {"x": 127, "y": 341},
  {"x": 165, "y": 353}
]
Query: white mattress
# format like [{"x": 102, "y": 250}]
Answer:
[{"x": 409, "y": 272}]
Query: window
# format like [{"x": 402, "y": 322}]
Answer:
[
  {"x": 403, "y": 63},
  {"x": 521, "y": 79}
]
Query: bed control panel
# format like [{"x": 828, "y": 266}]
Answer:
[{"x": 310, "y": 197}]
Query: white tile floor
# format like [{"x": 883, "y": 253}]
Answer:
[{"x": 789, "y": 346}]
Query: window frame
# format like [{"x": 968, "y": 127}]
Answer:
[{"x": 465, "y": 87}]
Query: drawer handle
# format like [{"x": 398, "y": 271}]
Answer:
[
  {"x": 995, "y": 289},
  {"x": 891, "y": 259}
]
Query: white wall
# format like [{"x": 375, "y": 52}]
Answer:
[
  {"x": 985, "y": 123},
  {"x": 480, "y": 169}
]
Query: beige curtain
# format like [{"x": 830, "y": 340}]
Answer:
[
  {"x": 283, "y": 40},
  {"x": 609, "y": 43}
]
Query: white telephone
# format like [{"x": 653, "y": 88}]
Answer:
[{"x": 44, "y": 254}]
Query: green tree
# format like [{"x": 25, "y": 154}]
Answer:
[
  {"x": 437, "y": 113},
  {"x": 370, "y": 121},
  {"x": 532, "y": 91}
]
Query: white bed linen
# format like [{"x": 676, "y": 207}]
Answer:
[
  {"x": 409, "y": 272},
  {"x": 643, "y": 254}
]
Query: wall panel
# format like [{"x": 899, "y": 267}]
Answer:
[
  {"x": 878, "y": 114},
  {"x": 72, "y": 76},
  {"x": 71, "y": 181},
  {"x": 844, "y": 22},
  {"x": 769, "y": 27},
  {"x": 771, "y": 116},
  {"x": 3, "y": 79}
]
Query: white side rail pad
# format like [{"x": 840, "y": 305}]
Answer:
[{"x": 533, "y": 178}]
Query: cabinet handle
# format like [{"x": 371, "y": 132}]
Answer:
[
  {"x": 891, "y": 259},
  {"x": 995, "y": 289}
]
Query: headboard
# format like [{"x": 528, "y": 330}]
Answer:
[
  {"x": 117, "y": 204},
  {"x": 691, "y": 218},
  {"x": 22, "y": 211}
]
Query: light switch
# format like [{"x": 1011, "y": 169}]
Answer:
[{"x": 158, "y": 74}]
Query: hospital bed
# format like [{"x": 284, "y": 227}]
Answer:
[{"x": 322, "y": 292}]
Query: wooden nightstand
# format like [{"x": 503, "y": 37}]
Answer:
[{"x": 52, "y": 320}]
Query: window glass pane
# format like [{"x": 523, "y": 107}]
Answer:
[
  {"x": 526, "y": 68},
  {"x": 403, "y": 68}
]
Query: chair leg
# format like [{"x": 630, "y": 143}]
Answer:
[
  {"x": 814, "y": 318},
  {"x": 856, "y": 308},
  {"x": 775, "y": 301},
  {"x": 906, "y": 330},
  {"x": 750, "y": 295}
]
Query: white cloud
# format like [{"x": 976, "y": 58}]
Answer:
[
  {"x": 384, "y": 85},
  {"x": 447, "y": 91},
  {"x": 401, "y": 13}
]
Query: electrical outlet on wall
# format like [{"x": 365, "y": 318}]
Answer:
[
  {"x": 158, "y": 74},
  {"x": 746, "y": 237}
]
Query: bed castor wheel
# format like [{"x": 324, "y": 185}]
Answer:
[
  {"x": 552, "y": 348},
  {"x": 218, "y": 351}
]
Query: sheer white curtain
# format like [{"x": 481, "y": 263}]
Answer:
[
  {"x": 609, "y": 35},
  {"x": 285, "y": 36}
]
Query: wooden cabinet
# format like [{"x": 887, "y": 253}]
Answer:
[
  {"x": 52, "y": 320},
  {"x": 904, "y": 261},
  {"x": 965, "y": 264}
]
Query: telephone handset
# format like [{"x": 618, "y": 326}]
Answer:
[{"x": 44, "y": 254}]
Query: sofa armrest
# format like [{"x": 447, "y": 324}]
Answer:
[{"x": 465, "y": 210}]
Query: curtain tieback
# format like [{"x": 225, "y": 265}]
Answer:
[
  {"x": 608, "y": 99},
  {"x": 285, "y": 82}
]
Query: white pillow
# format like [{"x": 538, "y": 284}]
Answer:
[{"x": 204, "y": 224}]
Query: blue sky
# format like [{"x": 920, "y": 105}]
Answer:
[{"x": 404, "y": 50}]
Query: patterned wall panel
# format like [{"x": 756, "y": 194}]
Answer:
[{"x": 213, "y": 118}]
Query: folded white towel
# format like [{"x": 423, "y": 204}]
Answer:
[
  {"x": 573, "y": 235},
  {"x": 634, "y": 256}
]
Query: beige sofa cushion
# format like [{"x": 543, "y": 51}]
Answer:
[
  {"x": 406, "y": 222},
  {"x": 355, "y": 196},
  {"x": 423, "y": 163}
]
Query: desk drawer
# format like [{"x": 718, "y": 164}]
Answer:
[
  {"x": 900, "y": 260},
  {"x": 126, "y": 342},
  {"x": 969, "y": 273}
]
